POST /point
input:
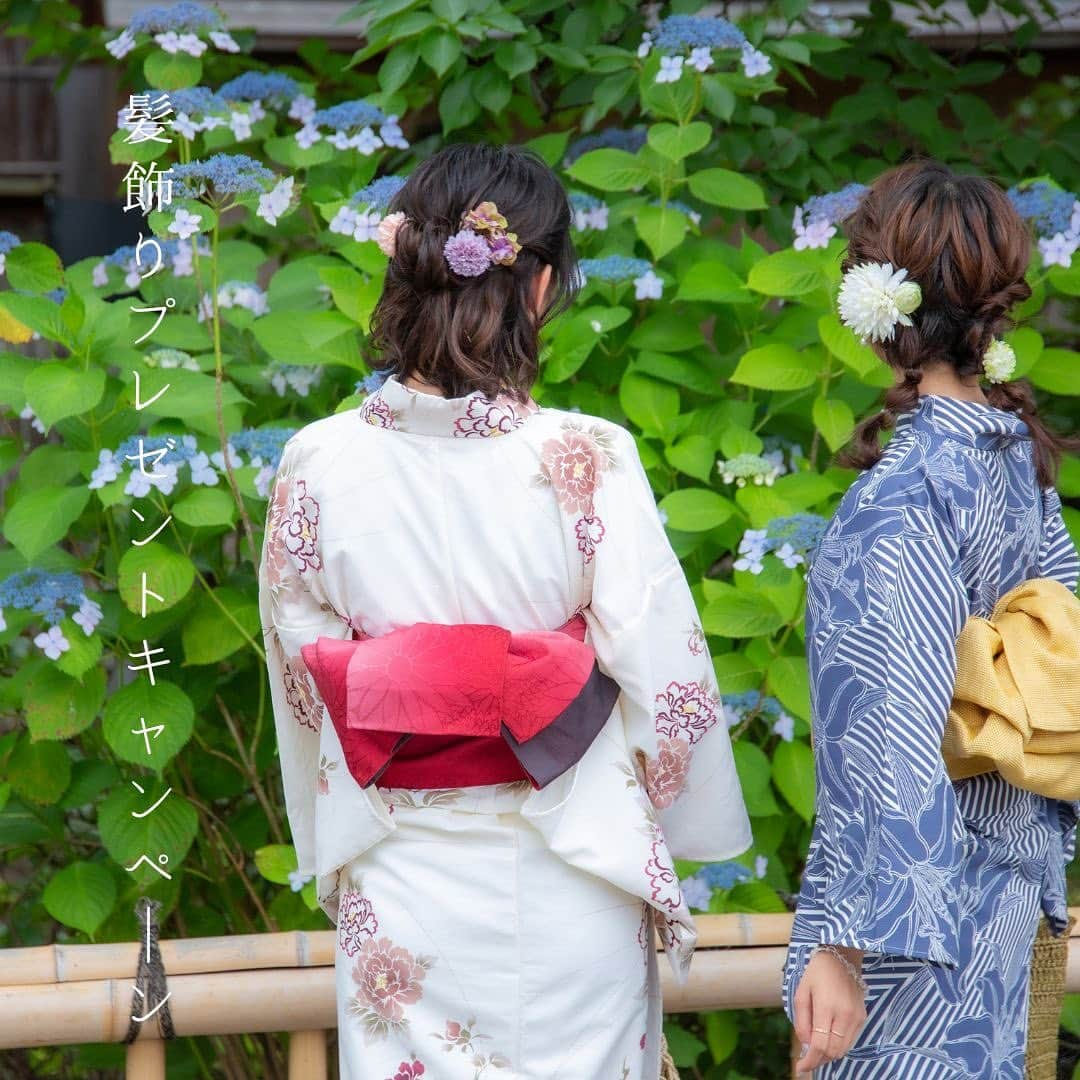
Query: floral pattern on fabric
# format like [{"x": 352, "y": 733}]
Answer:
[
  {"x": 463, "y": 1037},
  {"x": 325, "y": 769},
  {"x": 696, "y": 641},
  {"x": 574, "y": 464},
  {"x": 590, "y": 531},
  {"x": 687, "y": 710},
  {"x": 409, "y": 1070},
  {"x": 660, "y": 870},
  {"x": 307, "y": 710},
  {"x": 388, "y": 979},
  {"x": 276, "y": 550},
  {"x": 376, "y": 412},
  {"x": 665, "y": 774},
  {"x": 300, "y": 528},
  {"x": 356, "y": 921},
  {"x": 485, "y": 418}
]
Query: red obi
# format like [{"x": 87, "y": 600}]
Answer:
[{"x": 437, "y": 706}]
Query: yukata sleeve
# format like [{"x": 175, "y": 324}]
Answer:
[
  {"x": 885, "y": 867},
  {"x": 645, "y": 629},
  {"x": 293, "y": 614},
  {"x": 1058, "y": 559}
]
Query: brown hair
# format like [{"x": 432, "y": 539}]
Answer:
[
  {"x": 465, "y": 334},
  {"x": 963, "y": 242}
]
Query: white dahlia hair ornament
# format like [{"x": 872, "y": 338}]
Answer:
[
  {"x": 874, "y": 298},
  {"x": 999, "y": 361}
]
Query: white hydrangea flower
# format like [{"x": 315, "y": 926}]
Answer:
[
  {"x": 35, "y": 422},
  {"x": 339, "y": 140},
  {"x": 645, "y": 46},
  {"x": 670, "y": 69},
  {"x": 122, "y": 44},
  {"x": 784, "y": 726},
  {"x": 100, "y": 275},
  {"x": 1058, "y": 249},
  {"x": 298, "y": 879},
  {"x": 3, "y": 621},
  {"x": 344, "y": 221},
  {"x": 816, "y": 234},
  {"x": 240, "y": 122},
  {"x": 52, "y": 642},
  {"x": 366, "y": 141},
  {"x": 263, "y": 478},
  {"x": 789, "y": 556},
  {"x": 191, "y": 44},
  {"x": 202, "y": 472},
  {"x": 88, "y": 615},
  {"x": 223, "y": 40},
  {"x": 999, "y": 362},
  {"x": 754, "y": 62},
  {"x": 186, "y": 126},
  {"x": 648, "y": 287},
  {"x": 874, "y": 298},
  {"x": 366, "y": 226},
  {"x": 761, "y": 865},
  {"x": 302, "y": 108},
  {"x": 184, "y": 223},
  {"x": 235, "y": 460},
  {"x": 391, "y": 134},
  {"x": 106, "y": 470},
  {"x": 274, "y": 203},
  {"x": 308, "y": 136},
  {"x": 140, "y": 483},
  {"x": 700, "y": 58}
]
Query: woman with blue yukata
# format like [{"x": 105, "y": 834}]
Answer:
[
  {"x": 497, "y": 718},
  {"x": 933, "y": 888}
]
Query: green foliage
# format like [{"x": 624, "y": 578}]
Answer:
[{"x": 741, "y": 360}]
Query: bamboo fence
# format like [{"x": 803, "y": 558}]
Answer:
[{"x": 53, "y": 995}]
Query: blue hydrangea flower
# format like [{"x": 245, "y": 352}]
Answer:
[
  {"x": 802, "y": 531},
  {"x": 1046, "y": 208},
  {"x": 178, "y": 452},
  {"x": 614, "y": 268},
  {"x": 232, "y": 174},
  {"x": 724, "y": 875},
  {"x": 270, "y": 87},
  {"x": 263, "y": 444},
  {"x": 194, "y": 100},
  {"x": 629, "y": 139},
  {"x": 347, "y": 115},
  {"x": 370, "y": 383},
  {"x": 42, "y": 592},
  {"x": 183, "y": 17},
  {"x": 377, "y": 194},
  {"x": 57, "y": 295},
  {"x": 697, "y": 892},
  {"x": 679, "y": 32},
  {"x": 836, "y": 205},
  {"x": 8, "y": 240},
  {"x": 581, "y": 200}
]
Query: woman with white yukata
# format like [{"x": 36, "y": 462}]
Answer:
[
  {"x": 933, "y": 887},
  {"x": 497, "y": 718}
]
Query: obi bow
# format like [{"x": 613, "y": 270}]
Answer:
[
  {"x": 1016, "y": 706},
  {"x": 541, "y": 692}
]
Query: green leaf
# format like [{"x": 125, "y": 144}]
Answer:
[
  {"x": 56, "y": 391},
  {"x": 662, "y": 228},
  {"x": 776, "y": 367},
  {"x": 722, "y": 187},
  {"x": 42, "y": 518},
  {"x": 736, "y": 673},
  {"x": 740, "y": 613},
  {"x": 754, "y": 774},
  {"x": 739, "y": 440},
  {"x": 163, "y": 834},
  {"x": 83, "y": 651},
  {"x": 714, "y": 282},
  {"x": 787, "y": 273},
  {"x": 846, "y": 347},
  {"x": 39, "y": 772},
  {"x": 164, "y": 704},
  {"x": 515, "y": 57},
  {"x": 650, "y": 404},
  {"x": 755, "y": 896},
  {"x": 491, "y": 87},
  {"x": 610, "y": 170},
  {"x": 790, "y": 684},
  {"x": 458, "y": 106},
  {"x": 209, "y": 635},
  {"x": 676, "y": 143},
  {"x": 1064, "y": 279},
  {"x": 35, "y": 268},
  {"x": 684, "y": 1047},
  {"x": 58, "y": 706},
  {"x": 666, "y": 331},
  {"x": 793, "y": 775},
  {"x": 1028, "y": 346},
  {"x": 1057, "y": 370},
  {"x": 169, "y": 573},
  {"x": 171, "y": 71},
  {"x": 276, "y": 862},
  {"x": 693, "y": 455},
  {"x": 205, "y": 506},
  {"x": 397, "y": 66},
  {"x": 835, "y": 421},
  {"x": 439, "y": 49},
  {"x": 696, "y": 509},
  {"x": 550, "y": 146},
  {"x": 81, "y": 895}
]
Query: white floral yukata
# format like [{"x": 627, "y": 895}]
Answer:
[{"x": 497, "y": 931}]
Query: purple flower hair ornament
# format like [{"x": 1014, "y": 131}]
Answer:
[{"x": 481, "y": 242}]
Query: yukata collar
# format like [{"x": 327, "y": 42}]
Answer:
[
  {"x": 400, "y": 408},
  {"x": 970, "y": 422}
]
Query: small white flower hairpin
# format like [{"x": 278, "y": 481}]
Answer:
[
  {"x": 999, "y": 362},
  {"x": 874, "y": 299}
]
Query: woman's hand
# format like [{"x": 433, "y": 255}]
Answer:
[{"x": 830, "y": 1009}]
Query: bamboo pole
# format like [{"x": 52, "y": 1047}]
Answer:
[
  {"x": 145, "y": 1060},
  {"x": 307, "y": 1055}
]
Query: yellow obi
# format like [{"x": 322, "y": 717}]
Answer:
[{"x": 1016, "y": 707}]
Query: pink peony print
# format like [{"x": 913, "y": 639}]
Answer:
[
  {"x": 388, "y": 979},
  {"x": 573, "y": 463},
  {"x": 277, "y": 554},
  {"x": 688, "y": 709},
  {"x": 666, "y": 890},
  {"x": 665, "y": 774},
  {"x": 377, "y": 412},
  {"x": 485, "y": 418},
  {"x": 326, "y": 767},
  {"x": 408, "y": 1070},
  {"x": 356, "y": 921},
  {"x": 301, "y": 528},
  {"x": 590, "y": 531},
  {"x": 307, "y": 711}
]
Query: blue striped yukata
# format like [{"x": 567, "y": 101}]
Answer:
[{"x": 941, "y": 883}]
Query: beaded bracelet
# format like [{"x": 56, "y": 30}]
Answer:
[{"x": 860, "y": 982}]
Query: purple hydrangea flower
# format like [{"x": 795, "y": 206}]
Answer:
[
  {"x": 184, "y": 17},
  {"x": 467, "y": 253}
]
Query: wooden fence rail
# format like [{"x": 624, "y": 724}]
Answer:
[{"x": 54, "y": 995}]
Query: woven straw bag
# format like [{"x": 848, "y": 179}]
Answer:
[
  {"x": 1047, "y": 995},
  {"x": 667, "y": 1066}
]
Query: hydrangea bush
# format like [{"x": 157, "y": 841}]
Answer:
[{"x": 708, "y": 212}]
